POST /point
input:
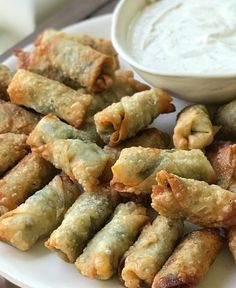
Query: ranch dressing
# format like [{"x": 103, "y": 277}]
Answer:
[{"x": 185, "y": 36}]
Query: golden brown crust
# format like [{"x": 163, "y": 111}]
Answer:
[
  {"x": 36, "y": 61},
  {"x": 190, "y": 261},
  {"x": 81, "y": 161},
  {"x": 16, "y": 119},
  {"x": 84, "y": 219},
  {"x": 40, "y": 214},
  {"x": 90, "y": 68},
  {"x": 48, "y": 96},
  {"x": 12, "y": 149},
  {"x": 195, "y": 201},
  {"x": 28, "y": 176},
  {"x": 162, "y": 199},
  {"x": 100, "y": 44},
  {"x": 95, "y": 71},
  {"x": 194, "y": 129},
  {"x": 222, "y": 156},
  {"x": 151, "y": 137},
  {"x": 100, "y": 259},
  {"x": 126, "y": 118},
  {"x": 136, "y": 168},
  {"x": 148, "y": 254}
]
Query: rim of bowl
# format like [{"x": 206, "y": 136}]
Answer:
[{"x": 126, "y": 56}]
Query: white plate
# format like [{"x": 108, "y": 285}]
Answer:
[{"x": 40, "y": 268}]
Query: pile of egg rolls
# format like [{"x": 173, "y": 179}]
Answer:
[{"x": 81, "y": 168}]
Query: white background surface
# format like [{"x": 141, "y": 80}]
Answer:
[{"x": 40, "y": 268}]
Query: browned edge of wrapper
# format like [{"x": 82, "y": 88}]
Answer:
[{"x": 183, "y": 279}]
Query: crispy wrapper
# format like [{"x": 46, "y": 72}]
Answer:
[
  {"x": 226, "y": 118},
  {"x": 194, "y": 129},
  {"x": 66, "y": 60},
  {"x": 51, "y": 128},
  {"x": 103, "y": 253},
  {"x": 12, "y": 149},
  {"x": 136, "y": 168},
  {"x": 84, "y": 162},
  {"x": 190, "y": 261},
  {"x": 15, "y": 119},
  {"x": 100, "y": 44},
  {"x": 28, "y": 176},
  {"x": 124, "y": 85},
  {"x": 48, "y": 96},
  {"x": 149, "y": 253},
  {"x": 5, "y": 78},
  {"x": 36, "y": 61},
  {"x": 125, "y": 119},
  {"x": 39, "y": 215},
  {"x": 192, "y": 200},
  {"x": 151, "y": 137},
  {"x": 222, "y": 156},
  {"x": 83, "y": 220},
  {"x": 80, "y": 63}
]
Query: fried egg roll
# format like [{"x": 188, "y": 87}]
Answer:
[
  {"x": 16, "y": 119},
  {"x": 79, "y": 63},
  {"x": 100, "y": 44},
  {"x": 124, "y": 85},
  {"x": 125, "y": 119},
  {"x": 28, "y": 176},
  {"x": 194, "y": 129},
  {"x": 48, "y": 96},
  {"x": 5, "y": 78},
  {"x": 151, "y": 137},
  {"x": 39, "y": 215},
  {"x": 222, "y": 156},
  {"x": 51, "y": 128},
  {"x": 136, "y": 168},
  {"x": 226, "y": 118},
  {"x": 103, "y": 253},
  {"x": 149, "y": 253},
  {"x": 84, "y": 162},
  {"x": 83, "y": 220},
  {"x": 12, "y": 149},
  {"x": 190, "y": 261},
  {"x": 37, "y": 62},
  {"x": 194, "y": 201}
]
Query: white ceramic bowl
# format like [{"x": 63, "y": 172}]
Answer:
[{"x": 196, "y": 88}]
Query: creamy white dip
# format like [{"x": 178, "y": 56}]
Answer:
[{"x": 185, "y": 36}]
